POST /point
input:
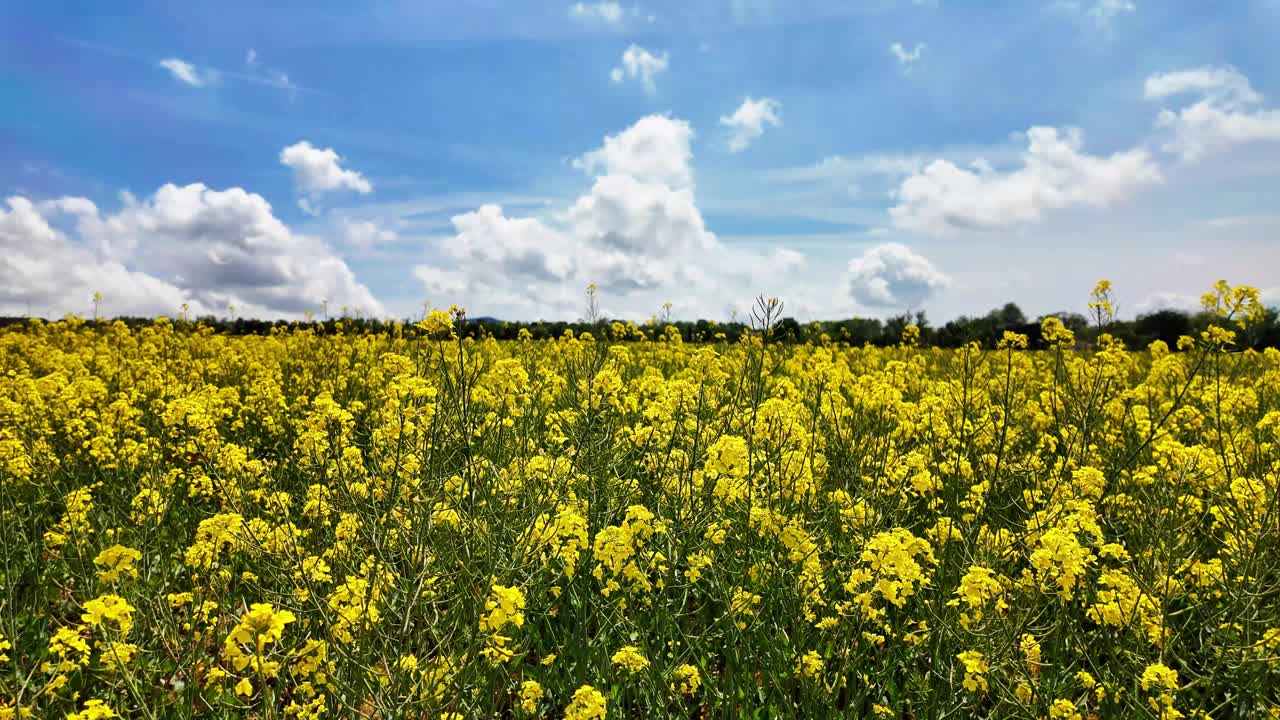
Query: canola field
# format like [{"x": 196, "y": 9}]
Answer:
[{"x": 413, "y": 525}]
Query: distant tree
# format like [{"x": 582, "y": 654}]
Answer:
[
  {"x": 893, "y": 327},
  {"x": 788, "y": 330},
  {"x": 1166, "y": 325},
  {"x": 1009, "y": 314},
  {"x": 1267, "y": 333}
]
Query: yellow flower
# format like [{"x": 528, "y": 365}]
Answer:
[
  {"x": 1012, "y": 341},
  {"x": 975, "y": 671},
  {"x": 438, "y": 323},
  {"x": 1031, "y": 653},
  {"x": 94, "y": 710},
  {"x": 630, "y": 659},
  {"x": 1055, "y": 334},
  {"x": 686, "y": 680},
  {"x": 809, "y": 666},
  {"x": 115, "y": 655},
  {"x": 505, "y": 606},
  {"x": 244, "y": 688},
  {"x": 587, "y": 704},
  {"x": 1023, "y": 693},
  {"x": 1160, "y": 677},
  {"x": 117, "y": 560},
  {"x": 109, "y": 609},
  {"x": 531, "y": 693},
  {"x": 744, "y": 605},
  {"x": 977, "y": 588},
  {"x": 262, "y": 623},
  {"x": 1062, "y": 709}
]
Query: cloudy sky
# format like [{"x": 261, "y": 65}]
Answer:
[{"x": 849, "y": 156}]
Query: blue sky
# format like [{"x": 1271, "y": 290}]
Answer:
[{"x": 851, "y": 157}]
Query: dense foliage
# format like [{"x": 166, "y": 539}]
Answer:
[
  {"x": 986, "y": 330},
  {"x": 417, "y": 524}
]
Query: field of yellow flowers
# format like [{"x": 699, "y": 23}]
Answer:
[{"x": 413, "y": 525}]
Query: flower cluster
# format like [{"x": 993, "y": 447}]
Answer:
[{"x": 322, "y": 522}]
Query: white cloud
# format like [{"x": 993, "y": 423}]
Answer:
[
  {"x": 607, "y": 12},
  {"x": 748, "y": 122},
  {"x": 656, "y": 148},
  {"x": 253, "y": 73},
  {"x": 185, "y": 72},
  {"x": 436, "y": 281},
  {"x": 49, "y": 275},
  {"x": 366, "y": 234},
  {"x": 876, "y": 173},
  {"x": 1054, "y": 174},
  {"x": 844, "y": 169},
  {"x": 206, "y": 248},
  {"x": 624, "y": 213},
  {"x": 1270, "y": 296},
  {"x": 642, "y": 65},
  {"x": 1227, "y": 112},
  {"x": 1168, "y": 301},
  {"x": 1102, "y": 13},
  {"x": 907, "y": 58},
  {"x": 228, "y": 248},
  {"x": 1224, "y": 84},
  {"x": 510, "y": 246},
  {"x": 891, "y": 275},
  {"x": 636, "y": 232},
  {"x": 785, "y": 260},
  {"x": 317, "y": 171}
]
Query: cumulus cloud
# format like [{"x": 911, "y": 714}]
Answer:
[
  {"x": 317, "y": 171},
  {"x": 510, "y": 246},
  {"x": 48, "y": 275},
  {"x": 637, "y": 233},
  {"x": 186, "y": 73},
  {"x": 907, "y": 58},
  {"x": 892, "y": 275},
  {"x": 1227, "y": 112},
  {"x": 656, "y": 148},
  {"x": 786, "y": 260},
  {"x": 748, "y": 122},
  {"x": 1055, "y": 173},
  {"x": 208, "y": 249},
  {"x": 366, "y": 234},
  {"x": 437, "y": 281},
  {"x": 641, "y": 65}
]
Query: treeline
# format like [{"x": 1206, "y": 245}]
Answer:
[{"x": 1165, "y": 325}]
